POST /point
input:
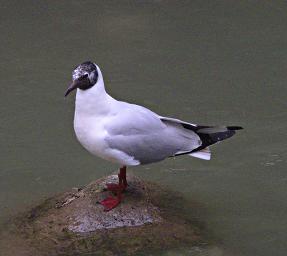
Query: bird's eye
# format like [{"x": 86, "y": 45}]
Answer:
[{"x": 83, "y": 77}]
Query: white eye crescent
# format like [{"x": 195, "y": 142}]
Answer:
[{"x": 91, "y": 76}]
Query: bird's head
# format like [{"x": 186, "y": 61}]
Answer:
[{"x": 85, "y": 76}]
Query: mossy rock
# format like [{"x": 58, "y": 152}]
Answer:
[{"x": 150, "y": 219}]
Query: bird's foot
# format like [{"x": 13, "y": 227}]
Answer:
[{"x": 110, "y": 203}]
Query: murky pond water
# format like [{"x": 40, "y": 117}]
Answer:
[{"x": 208, "y": 62}]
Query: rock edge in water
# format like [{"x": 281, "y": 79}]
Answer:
[{"x": 74, "y": 223}]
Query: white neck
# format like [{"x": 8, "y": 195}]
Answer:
[{"x": 94, "y": 101}]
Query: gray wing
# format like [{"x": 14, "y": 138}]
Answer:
[{"x": 142, "y": 134}]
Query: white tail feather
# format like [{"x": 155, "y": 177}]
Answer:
[{"x": 204, "y": 154}]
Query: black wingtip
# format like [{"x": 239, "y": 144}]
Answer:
[{"x": 234, "y": 128}]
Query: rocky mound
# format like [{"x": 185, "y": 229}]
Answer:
[{"x": 74, "y": 223}]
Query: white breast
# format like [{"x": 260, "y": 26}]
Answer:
[
  {"x": 89, "y": 125},
  {"x": 91, "y": 134}
]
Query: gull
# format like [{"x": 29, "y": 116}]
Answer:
[{"x": 129, "y": 134}]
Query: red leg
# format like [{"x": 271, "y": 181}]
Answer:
[
  {"x": 111, "y": 202},
  {"x": 122, "y": 184},
  {"x": 123, "y": 176}
]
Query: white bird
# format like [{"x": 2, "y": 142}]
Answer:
[{"x": 128, "y": 134}]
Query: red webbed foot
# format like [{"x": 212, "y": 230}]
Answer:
[{"x": 110, "y": 203}]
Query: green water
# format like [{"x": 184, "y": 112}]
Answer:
[{"x": 208, "y": 62}]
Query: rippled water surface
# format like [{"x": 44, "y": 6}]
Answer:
[{"x": 208, "y": 62}]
